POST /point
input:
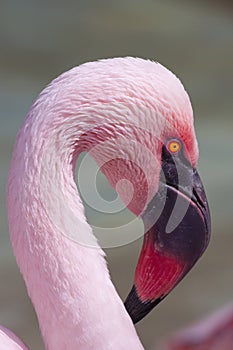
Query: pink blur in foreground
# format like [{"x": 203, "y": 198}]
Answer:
[{"x": 214, "y": 332}]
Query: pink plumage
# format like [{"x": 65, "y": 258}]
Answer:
[{"x": 104, "y": 102}]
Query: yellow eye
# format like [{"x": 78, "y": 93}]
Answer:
[{"x": 174, "y": 146}]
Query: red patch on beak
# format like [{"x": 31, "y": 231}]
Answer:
[{"x": 156, "y": 273}]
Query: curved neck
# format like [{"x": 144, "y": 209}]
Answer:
[{"x": 76, "y": 303}]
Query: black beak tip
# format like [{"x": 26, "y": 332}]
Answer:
[{"x": 136, "y": 308}]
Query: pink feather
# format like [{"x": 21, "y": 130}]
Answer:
[{"x": 96, "y": 107}]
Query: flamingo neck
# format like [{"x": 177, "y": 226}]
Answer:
[{"x": 63, "y": 267}]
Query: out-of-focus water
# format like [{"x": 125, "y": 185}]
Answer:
[{"x": 39, "y": 40}]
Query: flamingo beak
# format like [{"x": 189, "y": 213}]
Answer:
[{"x": 175, "y": 238}]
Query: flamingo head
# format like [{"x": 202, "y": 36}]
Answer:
[
  {"x": 150, "y": 141},
  {"x": 174, "y": 210}
]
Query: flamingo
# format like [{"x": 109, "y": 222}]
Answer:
[{"x": 135, "y": 119}]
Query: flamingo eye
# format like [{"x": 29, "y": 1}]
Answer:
[{"x": 174, "y": 146}]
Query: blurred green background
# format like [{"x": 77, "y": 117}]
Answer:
[{"x": 41, "y": 39}]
